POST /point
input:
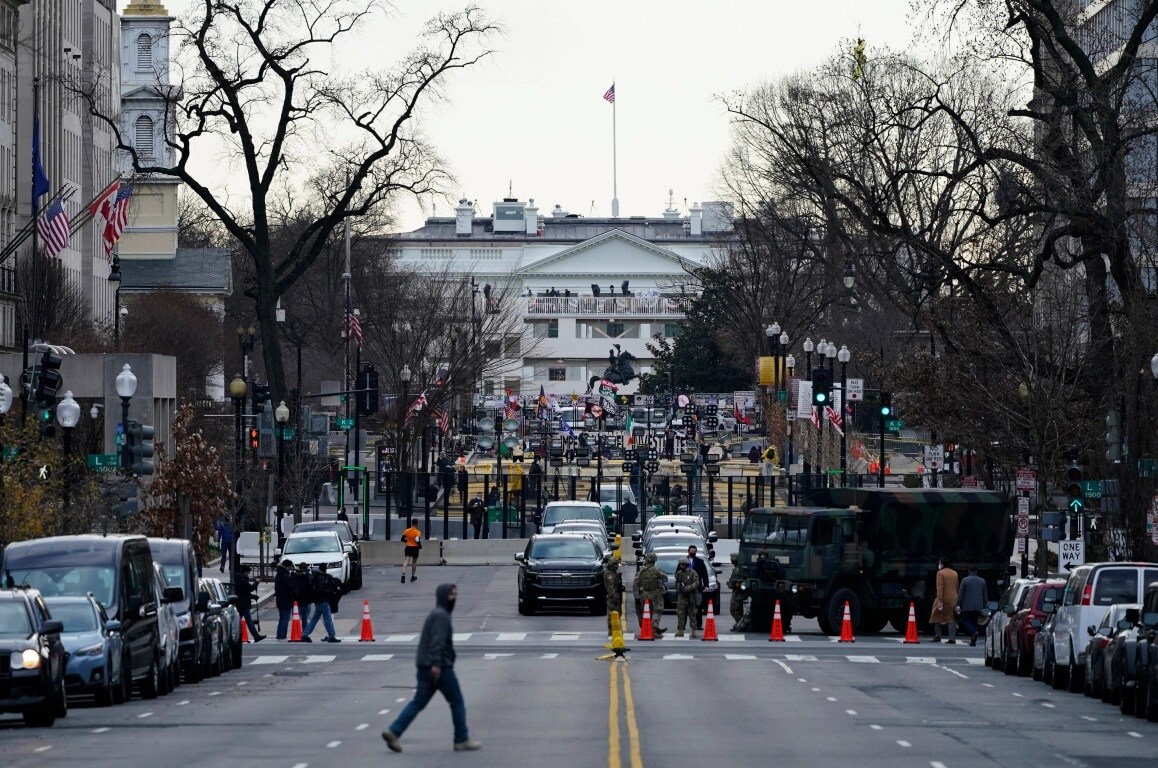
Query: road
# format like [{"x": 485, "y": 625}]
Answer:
[{"x": 538, "y": 696}]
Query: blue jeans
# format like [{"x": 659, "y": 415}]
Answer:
[
  {"x": 448, "y": 684},
  {"x": 304, "y": 612},
  {"x": 247, "y": 617},
  {"x": 283, "y": 621},
  {"x": 321, "y": 611}
]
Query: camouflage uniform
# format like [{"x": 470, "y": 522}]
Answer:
[
  {"x": 613, "y": 586},
  {"x": 649, "y": 584},
  {"x": 736, "y": 604},
  {"x": 687, "y": 597}
]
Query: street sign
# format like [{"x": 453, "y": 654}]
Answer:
[
  {"x": 1026, "y": 478},
  {"x": 11, "y": 451},
  {"x": 1092, "y": 489},
  {"x": 344, "y": 423},
  {"x": 120, "y": 441},
  {"x": 970, "y": 481},
  {"x": 103, "y": 462},
  {"x": 289, "y": 433},
  {"x": 855, "y": 390},
  {"x": 934, "y": 456},
  {"x": 1023, "y": 516},
  {"x": 1071, "y": 554},
  {"x": 894, "y": 425}
]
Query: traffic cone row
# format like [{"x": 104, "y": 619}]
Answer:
[
  {"x": 367, "y": 627},
  {"x": 645, "y": 630},
  {"x": 777, "y": 635},
  {"x": 710, "y": 624},
  {"x": 295, "y": 625},
  {"x": 846, "y": 626},
  {"x": 244, "y": 632},
  {"x": 911, "y": 629}
]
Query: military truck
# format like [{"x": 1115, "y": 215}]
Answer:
[{"x": 877, "y": 549}]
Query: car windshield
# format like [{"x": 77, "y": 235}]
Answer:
[
  {"x": 563, "y": 549},
  {"x": 297, "y": 545},
  {"x": 788, "y": 531},
  {"x": 76, "y": 617},
  {"x": 342, "y": 530},
  {"x": 611, "y": 495},
  {"x": 68, "y": 580},
  {"x": 674, "y": 540},
  {"x": 14, "y": 620},
  {"x": 555, "y": 515}
]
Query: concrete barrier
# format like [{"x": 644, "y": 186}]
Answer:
[
  {"x": 391, "y": 553},
  {"x": 449, "y": 552}
]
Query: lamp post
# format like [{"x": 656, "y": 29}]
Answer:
[
  {"x": 115, "y": 277},
  {"x": 425, "y": 445},
  {"x": 783, "y": 363},
  {"x": 808, "y": 347},
  {"x": 404, "y": 483},
  {"x": 237, "y": 390},
  {"x": 281, "y": 414},
  {"x": 246, "y": 339},
  {"x": 773, "y": 334},
  {"x": 126, "y": 388},
  {"x": 1024, "y": 392},
  {"x": 67, "y": 415},
  {"x": 844, "y": 356}
]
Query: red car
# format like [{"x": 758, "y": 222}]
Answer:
[{"x": 1025, "y": 619}]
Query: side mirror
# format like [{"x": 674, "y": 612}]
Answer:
[
  {"x": 1105, "y": 631},
  {"x": 233, "y": 599},
  {"x": 1091, "y": 630},
  {"x": 1035, "y": 623},
  {"x": 713, "y": 537},
  {"x": 173, "y": 595},
  {"x": 112, "y": 625},
  {"x": 1124, "y": 624},
  {"x": 355, "y": 537},
  {"x": 203, "y": 601},
  {"x": 1010, "y": 610},
  {"x": 52, "y": 627},
  {"x": 520, "y": 558},
  {"x": 992, "y": 606},
  {"x": 1048, "y": 608}
]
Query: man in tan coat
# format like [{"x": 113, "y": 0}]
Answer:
[{"x": 945, "y": 602}]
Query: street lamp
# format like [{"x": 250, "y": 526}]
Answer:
[
  {"x": 67, "y": 415},
  {"x": 1023, "y": 392},
  {"x": 849, "y": 277},
  {"x": 281, "y": 414},
  {"x": 808, "y": 347},
  {"x": 773, "y": 334},
  {"x": 404, "y": 485},
  {"x": 237, "y": 389},
  {"x": 844, "y": 356},
  {"x": 115, "y": 277},
  {"x": 246, "y": 339},
  {"x": 126, "y": 388}
]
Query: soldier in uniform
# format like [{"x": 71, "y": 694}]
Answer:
[
  {"x": 649, "y": 584},
  {"x": 613, "y": 586},
  {"x": 736, "y": 604},
  {"x": 687, "y": 596}
]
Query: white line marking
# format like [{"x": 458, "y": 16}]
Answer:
[
  {"x": 1135, "y": 734},
  {"x": 745, "y": 657},
  {"x": 1091, "y": 719},
  {"x": 936, "y": 764},
  {"x": 731, "y": 638},
  {"x": 920, "y": 660},
  {"x": 797, "y": 657},
  {"x": 384, "y": 711},
  {"x": 801, "y": 680},
  {"x": 378, "y": 657},
  {"x": 461, "y": 636},
  {"x": 43, "y": 749},
  {"x": 399, "y": 701},
  {"x": 832, "y": 698},
  {"x": 851, "y": 712},
  {"x": 783, "y": 666},
  {"x": 952, "y": 671},
  {"x": 268, "y": 660},
  {"x": 549, "y": 656},
  {"x": 1048, "y": 705},
  {"x": 215, "y": 693},
  {"x": 332, "y": 744},
  {"x": 564, "y": 636},
  {"x": 903, "y": 743},
  {"x": 400, "y": 638},
  {"x": 143, "y": 715},
  {"x": 182, "y": 703},
  {"x": 816, "y": 690},
  {"x": 318, "y": 659},
  {"x": 362, "y": 726},
  {"x": 244, "y": 682},
  {"x": 100, "y": 730},
  {"x": 863, "y": 659},
  {"x": 793, "y": 639},
  {"x": 974, "y": 662},
  {"x": 678, "y": 656},
  {"x": 1018, "y": 695},
  {"x": 988, "y": 685},
  {"x": 493, "y": 656},
  {"x": 507, "y": 637},
  {"x": 877, "y": 727},
  {"x": 301, "y": 765}
]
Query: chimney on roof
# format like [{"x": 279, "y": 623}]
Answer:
[
  {"x": 531, "y": 217},
  {"x": 463, "y": 218},
  {"x": 697, "y": 229},
  {"x": 558, "y": 213}
]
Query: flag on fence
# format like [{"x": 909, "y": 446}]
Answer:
[
  {"x": 835, "y": 419},
  {"x": 53, "y": 227},
  {"x": 738, "y": 414},
  {"x": 628, "y": 423},
  {"x": 353, "y": 324}
]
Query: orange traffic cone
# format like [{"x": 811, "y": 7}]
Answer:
[
  {"x": 244, "y": 632},
  {"x": 645, "y": 625},
  {"x": 710, "y": 623},
  {"x": 846, "y": 626},
  {"x": 777, "y": 626},
  {"x": 911, "y": 629},
  {"x": 295, "y": 625},
  {"x": 367, "y": 627}
]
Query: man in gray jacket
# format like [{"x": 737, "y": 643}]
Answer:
[
  {"x": 970, "y": 602},
  {"x": 435, "y": 661}
]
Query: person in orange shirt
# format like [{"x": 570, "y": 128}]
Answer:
[{"x": 412, "y": 539}]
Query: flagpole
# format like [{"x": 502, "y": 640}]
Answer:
[
  {"x": 34, "y": 297},
  {"x": 614, "y": 161},
  {"x": 346, "y": 381}
]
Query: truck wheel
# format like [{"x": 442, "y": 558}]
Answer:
[
  {"x": 872, "y": 621},
  {"x": 834, "y": 611}
]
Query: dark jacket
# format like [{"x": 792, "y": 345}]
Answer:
[
  {"x": 463, "y": 482},
  {"x": 436, "y": 643},
  {"x": 324, "y": 586},
  {"x": 245, "y": 590},
  {"x": 302, "y": 589},
  {"x": 700, "y": 567},
  {"x": 283, "y": 592}
]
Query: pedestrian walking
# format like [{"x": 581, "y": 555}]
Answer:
[
  {"x": 613, "y": 588},
  {"x": 302, "y": 590},
  {"x": 412, "y": 540},
  {"x": 225, "y": 541},
  {"x": 476, "y": 510},
  {"x": 283, "y": 597},
  {"x": 446, "y": 474},
  {"x": 945, "y": 603},
  {"x": 342, "y": 514},
  {"x": 688, "y": 595},
  {"x": 970, "y": 602},
  {"x": 325, "y": 588},
  {"x": 649, "y": 585},
  {"x": 463, "y": 484},
  {"x": 435, "y": 663},
  {"x": 246, "y": 592},
  {"x": 697, "y": 564}
]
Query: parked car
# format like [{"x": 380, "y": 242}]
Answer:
[
  {"x": 169, "y": 631},
  {"x": 213, "y": 645},
  {"x": 1043, "y": 644},
  {"x": 1091, "y": 589},
  {"x": 31, "y": 659},
  {"x": 998, "y": 619},
  {"x": 564, "y": 569},
  {"x": 557, "y": 511},
  {"x": 178, "y": 564},
  {"x": 1024, "y": 622},
  {"x": 1117, "y": 618},
  {"x": 1122, "y": 665},
  {"x": 349, "y": 542},
  {"x": 93, "y": 648},
  {"x": 118, "y": 571},
  {"x": 1146, "y": 693},
  {"x": 317, "y": 547},
  {"x": 223, "y": 595}
]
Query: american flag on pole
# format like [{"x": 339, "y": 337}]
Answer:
[
  {"x": 353, "y": 324},
  {"x": 815, "y": 418},
  {"x": 609, "y": 95},
  {"x": 443, "y": 419},
  {"x": 53, "y": 227},
  {"x": 116, "y": 215},
  {"x": 835, "y": 418},
  {"x": 418, "y": 404}
]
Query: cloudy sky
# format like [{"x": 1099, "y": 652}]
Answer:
[{"x": 531, "y": 121}]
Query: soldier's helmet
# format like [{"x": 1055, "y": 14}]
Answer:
[
  {"x": 614, "y": 562},
  {"x": 651, "y": 557},
  {"x": 684, "y": 562}
]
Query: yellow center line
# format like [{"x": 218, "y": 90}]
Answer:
[
  {"x": 613, "y": 760},
  {"x": 632, "y": 725}
]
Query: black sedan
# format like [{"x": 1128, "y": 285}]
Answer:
[
  {"x": 31, "y": 659},
  {"x": 561, "y": 569}
]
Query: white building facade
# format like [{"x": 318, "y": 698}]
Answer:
[{"x": 568, "y": 273}]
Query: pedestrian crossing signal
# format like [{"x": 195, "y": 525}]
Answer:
[{"x": 254, "y": 438}]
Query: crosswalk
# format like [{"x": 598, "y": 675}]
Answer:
[{"x": 531, "y": 638}]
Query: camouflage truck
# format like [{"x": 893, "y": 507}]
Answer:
[{"x": 875, "y": 548}]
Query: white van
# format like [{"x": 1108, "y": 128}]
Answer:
[{"x": 1091, "y": 589}]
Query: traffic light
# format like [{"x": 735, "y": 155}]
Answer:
[
  {"x": 254, "y": 438},
  {"x": 886, "y": 404},
  {"x": 48, "y": 378},
  {"x": 1113, "y": 437},
  {"x": 821, "y": 386},
  {"x": 139, "y": 438},
  {"x": 260, "y": 396},
  {"x": 46, "y": 420},
  {"x": 1074, "y": 476}
]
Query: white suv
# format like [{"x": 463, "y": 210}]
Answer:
[{"x": 1090, "y": 590}]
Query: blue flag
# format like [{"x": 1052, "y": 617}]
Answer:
[
  {"x": 39, "y": 179},
  {"x": 565, "y": 428}
]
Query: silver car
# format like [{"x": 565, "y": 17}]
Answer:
[
  {"x": 169, "y": 636},
  {"x": 999, "y": 618}
]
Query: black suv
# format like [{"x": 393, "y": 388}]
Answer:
[
  {"x": 31, "y": 659},
  {"x": 561, "y": 569}
]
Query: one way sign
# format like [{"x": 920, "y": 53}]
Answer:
[{"x": 1071, "y": 555}]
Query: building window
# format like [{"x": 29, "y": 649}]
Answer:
[
  {"x": 557, "y": 374},
  {"x": 546, "y": 330},
  {"x": 613, "y": 330},
  {"x": 511, "y": 347},
  {"x": 671, "y": 330},
  {"x": 552, "y": 329},
  {"x": 144, "y": 142},
  {"x": 144, "y": 51},
  {"x": 492, "y": 349}
]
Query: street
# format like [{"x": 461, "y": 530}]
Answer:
[{"x": 537, "y": 696}]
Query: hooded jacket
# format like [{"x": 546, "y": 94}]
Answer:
[{"x": 436, "y": 643}]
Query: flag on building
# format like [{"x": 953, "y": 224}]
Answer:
[
  {"x": 353, "y": 324},
  {"x": 835, "y": 419},
  {"x": 609, "y": 95},
  {"x": 116, "y": 218},
  {"x": 102, "y": 203},
  {"x": 53, "y": 227}
]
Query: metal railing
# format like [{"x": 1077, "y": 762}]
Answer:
[{"x": 611, "y": 306}]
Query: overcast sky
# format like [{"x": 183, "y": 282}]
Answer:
[{"x": 532, "y": 122}]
